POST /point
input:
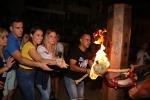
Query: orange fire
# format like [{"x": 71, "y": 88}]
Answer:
[{"x": 101, "y": 62}]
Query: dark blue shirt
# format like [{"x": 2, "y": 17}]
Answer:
[{"x": 12, "y": 46}]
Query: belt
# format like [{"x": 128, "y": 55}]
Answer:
[{"x": 26, "y": 69}]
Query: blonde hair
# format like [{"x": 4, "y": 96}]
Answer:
[
  {"x": 45, "y": 42},
  {"x": 3, "y": 32}
]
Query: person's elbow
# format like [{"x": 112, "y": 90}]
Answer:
[
  {"x": 72, "y": 67},
  {"x": 20, "y": 60}
]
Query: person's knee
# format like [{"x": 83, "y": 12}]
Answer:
[
  {"x": 56, "y": 79},
  {"x": 10, "y": 92},
  {"x": 81, "y": 99}
]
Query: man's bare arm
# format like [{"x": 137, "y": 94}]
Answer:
[
  {"x": 25, "y": 61},
  {"x": 90, "y": 63},
  {"x": 76, "y": 68},
  {"x": 9, "y": 63},
  {"x": 141, "y": 91},
  {"x": 37, "y": 57}
]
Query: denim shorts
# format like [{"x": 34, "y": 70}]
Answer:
[
  {"x": 26, "y": 83},
  {"x": 75, "y": 91},
  {"x": 10, "y": 81}
]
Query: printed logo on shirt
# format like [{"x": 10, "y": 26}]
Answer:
[
  {"x": 4, "y": 74},
  {"x": 83, "y": 63}
]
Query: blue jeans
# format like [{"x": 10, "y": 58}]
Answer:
[
  {"x": 75, "y": 91},
  {"x": 45, "y": 93},
  {"x": 26, "y": 83}
]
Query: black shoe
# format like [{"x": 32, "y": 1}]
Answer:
[
  {"x": 54, "y": 98},
  {"x": 52, "y": 94}
]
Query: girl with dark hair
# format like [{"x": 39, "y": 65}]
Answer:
[{"x": 25, "y": 74}]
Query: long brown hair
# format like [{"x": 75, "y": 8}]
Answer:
[
  {"x": 3, "y": 32},
  {"x": 45, "y": 41},
  {"x": 32, "y": 31}
]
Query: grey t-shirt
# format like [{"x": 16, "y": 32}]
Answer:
[{"x": 59, "y": 48}]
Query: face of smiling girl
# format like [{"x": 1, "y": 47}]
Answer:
[{"x": 37, "y": 37}]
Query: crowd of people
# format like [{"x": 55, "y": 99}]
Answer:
[
  {"x": 37, "y": 59},
  {"x": 29, "y": 55}
]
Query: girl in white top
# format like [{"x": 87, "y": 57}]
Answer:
[{"x": 47, "y": 51}]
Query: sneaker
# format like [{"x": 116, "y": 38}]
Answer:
[{"x": 54, "y": 98}]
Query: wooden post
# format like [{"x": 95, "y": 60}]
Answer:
[{"x": 118, "y": 30}]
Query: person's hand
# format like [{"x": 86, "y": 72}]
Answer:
[
  {"x": 61, "y": 63},
  {"x": 88, "y": 71},
  {"x": 43, "y": 65},
  {"x": 1, "y": 85},
  {"x": 64, "y": 65},
  {"x": 10, "y": 62}
]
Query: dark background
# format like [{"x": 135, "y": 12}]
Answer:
[{"x": 70, "y": 24}]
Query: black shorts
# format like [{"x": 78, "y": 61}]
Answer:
[{"x": 56, "y": 73}]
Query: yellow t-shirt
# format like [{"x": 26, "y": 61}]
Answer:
[{"x": 24, "y": 53}]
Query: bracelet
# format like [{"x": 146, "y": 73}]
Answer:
[{"x": 7, "y": 67}]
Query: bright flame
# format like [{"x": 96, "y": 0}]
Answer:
[
  {"x": 99, "y": 36},
  {"x": 100, "y": 60}
]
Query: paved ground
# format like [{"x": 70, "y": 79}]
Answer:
[{"x": 92, "y": 90}]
